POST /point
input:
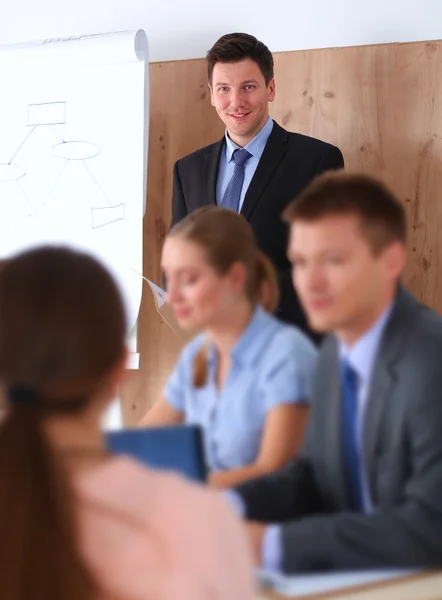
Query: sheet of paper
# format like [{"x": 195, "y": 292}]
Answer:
[
  {"x": 159, "y": 294},
  {"x": 166, "y": 311},
  {"x": 305, "y": 585}
]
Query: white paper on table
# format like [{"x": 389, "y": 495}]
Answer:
[{"x": 306, "y": 585}]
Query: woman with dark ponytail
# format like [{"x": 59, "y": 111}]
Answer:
[
  {"x": 76, "y": 524},
  {"x": 246, "y": 379}
]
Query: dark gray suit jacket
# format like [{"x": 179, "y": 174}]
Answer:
[{"x": 403, "y": 460}]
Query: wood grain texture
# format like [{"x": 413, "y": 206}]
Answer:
[
  {"x": 181, "y": 121},
  {"x": 382, "y": 105}
]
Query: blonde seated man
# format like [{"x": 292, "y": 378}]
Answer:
[{"x": 246, "y": 380}]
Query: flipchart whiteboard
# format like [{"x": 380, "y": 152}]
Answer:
[{"x": 73, "y": 150}]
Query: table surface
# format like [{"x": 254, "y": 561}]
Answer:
[{"x": 418, "y": 586}]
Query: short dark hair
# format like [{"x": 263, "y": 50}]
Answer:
[
  {"x": 234, "y": 47},
  {"x": 382, "y": 216}
]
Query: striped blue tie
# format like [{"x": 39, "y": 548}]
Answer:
[
  {"x": 232, "y": 195},
  {"x": 351, "y": 454}
]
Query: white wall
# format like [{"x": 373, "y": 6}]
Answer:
[{"x": 180, "y": 29}]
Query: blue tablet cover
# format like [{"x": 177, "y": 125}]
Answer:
[{"x": 177, "y": 448}]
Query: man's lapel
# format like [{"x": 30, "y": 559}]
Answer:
[
  {"x": 383, "y": 380},
  {"x": 210, "y": 173},
  {"x": 274, "y": 152}
]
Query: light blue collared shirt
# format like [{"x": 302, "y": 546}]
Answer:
[
  {"x": 361, "y": 356},
  {"x": 227, "y": 166},
  {"x": 272, "y": 363}
]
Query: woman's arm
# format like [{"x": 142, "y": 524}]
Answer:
[
  {"x": 160, "y": 414},
  {"x": 282, "y": 438}
]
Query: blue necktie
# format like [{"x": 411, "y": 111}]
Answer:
[
  {"x": 351, "y": 456},
  {"x": 232, "y": 195}
]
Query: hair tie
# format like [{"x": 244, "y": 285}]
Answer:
[{"x": 19, "y": 394}]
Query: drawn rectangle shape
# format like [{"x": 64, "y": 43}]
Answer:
[
  {"x": 107, "y": 215},
  {"x": 49, "y": 113}
]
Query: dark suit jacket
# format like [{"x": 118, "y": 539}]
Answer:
[
  {"x": 289, "y": 162},
  {"x": 403, "y": 460}
]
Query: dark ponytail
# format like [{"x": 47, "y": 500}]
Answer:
[
  {"x": 39, "y": 558},
  {"x": 62, "y": 330}
]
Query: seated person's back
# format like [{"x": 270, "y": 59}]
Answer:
[
  {"x": 148, "y": 534},
  {"x": 76, "y": 523}
]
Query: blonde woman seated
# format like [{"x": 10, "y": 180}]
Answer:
[
  {"x": 247, "y": 378},
  {"x": 77, "y": 524}
]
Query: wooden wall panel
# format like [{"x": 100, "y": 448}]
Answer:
[
  {"x": 382, "y": 105},
  {"x": 181, "y": 120}
]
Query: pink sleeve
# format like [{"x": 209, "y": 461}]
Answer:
[
  {"x": 209, "y": 540},
  {"x": 240, "y": 571},
  {"x": 183, "y": 586},
  {"x": 221, "y": 546},
  {"x": 232, "y": 564},
  {"x": 187, "y": 542}
]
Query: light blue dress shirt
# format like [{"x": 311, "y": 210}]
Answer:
[
  {"x": 227, "y": 166},
  {"x": 272, "y": 363},
  {"x": 361, "y": 357}
]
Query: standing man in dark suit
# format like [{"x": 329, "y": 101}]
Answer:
[
  {"x": 258, "y": 167},
  {"x": 366, "y": 490}
]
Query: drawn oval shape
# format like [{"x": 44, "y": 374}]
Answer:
[
  {"x": 10, "y": 172},
  {"x": 76, "y": 150}
]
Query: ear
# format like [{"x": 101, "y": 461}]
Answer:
[
  {"x": 211, "y": 94},
  {"x": 271, "y": 90},
  {"x": 238, "y": 276},
  {"x": 395, "y": 259}
]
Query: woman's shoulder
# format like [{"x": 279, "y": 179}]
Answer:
[
  {"x": 182, "y": 518},
  {"x": 288, "y": 340},
  {"x": 128, "y": 484},
  {"x": 114, "y": 477}
]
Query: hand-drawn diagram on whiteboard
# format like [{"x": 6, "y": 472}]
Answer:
[
  {"x": 73, "y": 142},
  {"x": 54, "y": 113}
]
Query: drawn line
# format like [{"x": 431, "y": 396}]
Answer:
[
  {"x": 57, "y": 134},
  {"x": 21, "y": 146},
  {"x": 97, "y": 184},
  {"x": 104, "y": 210},
  {"x": 27, "y": 197},
  {"x": 107, "y": 223},
  {"x": 56, "y": 181}
]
